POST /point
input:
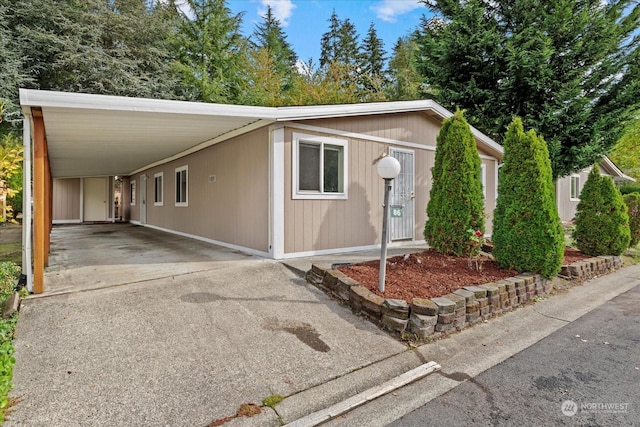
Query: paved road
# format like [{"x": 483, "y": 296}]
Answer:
[{"x": 584, "y": 374}]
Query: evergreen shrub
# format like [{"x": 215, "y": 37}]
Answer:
[
  {"x": 602, "y": 222},
  {"x": 633, "y": 209},
  {"x": 527, "y": 232},
  {"x": 456, "y": 201}
]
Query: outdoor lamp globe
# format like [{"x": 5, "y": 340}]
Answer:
[{"x": 388, "y": 167}]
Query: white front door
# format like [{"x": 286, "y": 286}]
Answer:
[
  {"x": 143, "y": 199},
  {"x": 401, "y": 199},
  {"x": 95, "y": 199}
]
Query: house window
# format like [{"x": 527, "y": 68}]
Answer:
[
  {"x": 574, "y": 194},
  {"x": 319, "y": 167},
  {"x": 132, "y": 193},
  {"x": 158, "y": 180},
  {"x": 182, "y": 186}
]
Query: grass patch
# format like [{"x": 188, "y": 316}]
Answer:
[
  {"x": 273, "y": 400},
  {"x": 11, "y": 252}
]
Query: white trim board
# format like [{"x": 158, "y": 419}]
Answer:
[{"x": 364, "y": 137}]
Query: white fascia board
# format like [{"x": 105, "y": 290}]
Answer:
[
  {"x": 608, "y": 163},
  {"x": 52, "y": 99}
]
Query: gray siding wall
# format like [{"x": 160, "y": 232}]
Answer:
[
  {"x": 66, "y": 199},
  {"x": 234, "y": 209}
]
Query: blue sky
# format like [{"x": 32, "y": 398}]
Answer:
[{"x": 304, "y": 21}]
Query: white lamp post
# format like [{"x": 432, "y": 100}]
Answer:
[{"x": 388, "y": 169}]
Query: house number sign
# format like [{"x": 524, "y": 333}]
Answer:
[{"x": 396, "y": 211}]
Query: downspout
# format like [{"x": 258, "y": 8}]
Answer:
[{"x": 27, "y": 204}]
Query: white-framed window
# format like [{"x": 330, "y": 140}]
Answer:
[
  {"x": 182, "y": 186},
  {"x": 574, "y": 191},
  {"x": 132, "y": 193},
  {"x": 319, "y": 167},
  {"x": 158, "y": 186}
]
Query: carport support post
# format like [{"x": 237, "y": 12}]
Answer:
[{"x": 41, "y": 198}]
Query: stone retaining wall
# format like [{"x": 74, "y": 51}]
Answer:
[{"x": 437, "y": 316}]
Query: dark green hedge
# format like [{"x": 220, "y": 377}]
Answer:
[
  {"x": 602, "y": 222},
  {"x": 456, "y": 202},
  {"x": 527, "y": 232}
]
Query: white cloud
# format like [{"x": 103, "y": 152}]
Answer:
[
  {"x": 282, "y": 9},
  {"x": 389, "y": 10}
]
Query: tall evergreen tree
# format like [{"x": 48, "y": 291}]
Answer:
[
  {"x": 330, "y": 41},
  {"x": 373, "y": 58},
  {"x": 527, "y": 232},
  {"x": 404, "y": 78},
  {"x": 107, "y": 47},
  {"x": 569, "y": 68},
  {"x": 456, "y": 202},
  {"x": 12, "y": 72},
  {"x": 211, "y": 53}
]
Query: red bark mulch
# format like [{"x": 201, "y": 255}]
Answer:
[{"x": 429, "y": 274}]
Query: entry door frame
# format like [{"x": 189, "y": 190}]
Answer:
[
  {"x": 143, "y": 199},
  {"x": 403, "y": 194}
]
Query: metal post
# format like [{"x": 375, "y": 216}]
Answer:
[{"x": 385, "y": 216}]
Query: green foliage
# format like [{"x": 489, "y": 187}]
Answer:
[
  {"x": 633, "y": 209},
  {"x": 602, "y": 222},
  {"x": 404, "y": 78},
  {"x": 527, "y": 232},
  {"x": 569, "y": 69},
  {"x": 626, "y": 153},
  {"x": 10, "y": 169},
  {"x": 456, "y": 202},
  {"x": 211, "y": 53},
  {"x": 8, "y": 273},
  {"x": 629, "y": 187}
]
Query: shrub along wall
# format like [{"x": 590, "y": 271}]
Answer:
[
  {"x": 602, "y": 222},
  {"x": 633, "y": 209},
  {"x": 527, "y": 233}
]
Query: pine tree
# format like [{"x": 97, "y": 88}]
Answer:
[
  {"x": 373, "y": 58},
  {"x": 269, "y": 35},
  {"x": 527, "y": 232},
  {"x": 211, "y": 53},
  {"x": 602, "y": 221},
  {"x": 330, "y": 41},
  {"x": 404, "y": 77},
  {"x": 456, "y": 202}
]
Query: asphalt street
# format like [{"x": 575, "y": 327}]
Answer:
[{"x": 584, "y": 374}]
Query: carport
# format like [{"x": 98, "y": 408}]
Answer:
[{"x": 81, "y": 135}]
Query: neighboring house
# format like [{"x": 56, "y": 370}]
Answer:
[
  {"x": 277, "y": 182},
  {"x": 569, "y": 187}
]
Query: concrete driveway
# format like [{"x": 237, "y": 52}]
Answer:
[{"x": 139, "y": 327}]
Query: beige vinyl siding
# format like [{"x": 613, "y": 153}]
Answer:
[
  {"x": 234, "y": 209},
  {"x": 315, "y": 225},
  {"x": 66, "y": 199},
  {"x": 567, "y": 207}
]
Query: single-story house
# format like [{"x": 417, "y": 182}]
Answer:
[
  {"x": 278, "y": 182},
  {"x": 569, "y": 187}
]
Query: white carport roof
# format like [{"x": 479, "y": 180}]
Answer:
[{"x": 99, "y": 135}]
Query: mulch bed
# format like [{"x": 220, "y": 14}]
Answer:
[{"x": 430, "y": 274}]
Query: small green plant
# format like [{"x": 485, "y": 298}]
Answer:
[
  {"x": 477, "y": 239},
  {"x": 602, "y": 221},
  {"x": 272, "y": 400}
]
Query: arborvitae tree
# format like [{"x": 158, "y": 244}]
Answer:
[
  {"x": 211, "y": 53},
  {"x": 456, "y": 202},
  {"x": 602, "y": 221},
  {"x": 633, "y": 208},
  {"x": 570, "y": 69},
  {"x": 404, "y": 77},
  {"x": 527, "y": 232}
]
